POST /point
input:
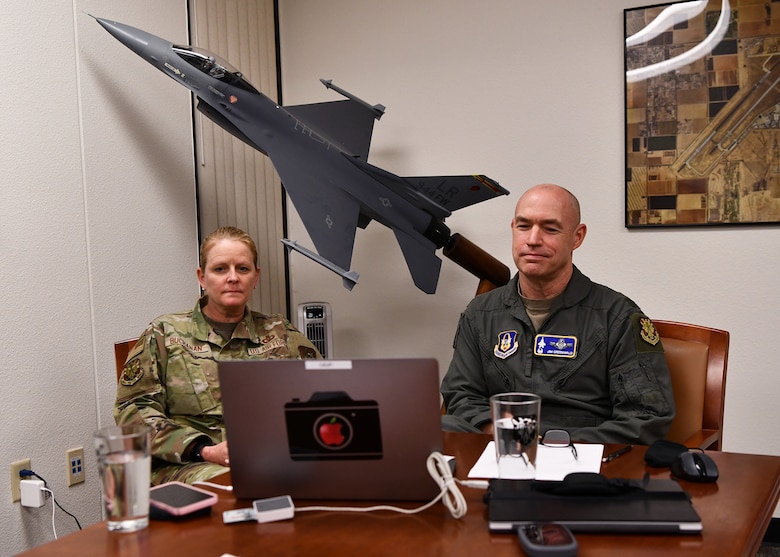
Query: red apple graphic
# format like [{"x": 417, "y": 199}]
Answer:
[{"x": 330, "y": 432}]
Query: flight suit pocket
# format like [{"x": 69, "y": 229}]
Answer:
[{"x": 638, "y": 388}]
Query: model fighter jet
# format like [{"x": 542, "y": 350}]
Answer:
[{"x": 320, "y": 152}]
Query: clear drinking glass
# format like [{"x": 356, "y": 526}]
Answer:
[
  {"x": 124, "y": 465},
  {"x": 516, "y": 421}
]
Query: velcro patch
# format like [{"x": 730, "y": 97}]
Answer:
[
  {"x": 646, "y": 335},
  {"x": 507, "y": 344},
  {"x": 131, "y": 373},
  {"x": 555, "y": 345}
]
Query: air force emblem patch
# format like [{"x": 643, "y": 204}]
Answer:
[
  {"x": 555, "y": 345},
  {"x": 507, "y": 344}
]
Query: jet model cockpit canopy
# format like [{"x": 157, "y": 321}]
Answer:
[{"x": 214, "y": 66}]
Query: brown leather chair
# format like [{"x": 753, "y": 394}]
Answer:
[
  {"x": 121, "y": 350},
  {"x": 697, "y": 357}
]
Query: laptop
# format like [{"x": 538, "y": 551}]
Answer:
[
  {"x": 661, "y": 507},
  {"x": 332, "y": 429}
]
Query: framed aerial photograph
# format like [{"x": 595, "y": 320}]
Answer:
[{"x": 702, "y": 90}]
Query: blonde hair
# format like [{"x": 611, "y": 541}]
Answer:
[{"x": 226, "y": 233}]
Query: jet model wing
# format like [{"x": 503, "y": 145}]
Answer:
[
  {"x": 329, "y": 214},
  {"x": 331, "y": 217},
  {"x": 348, "y": 124}
]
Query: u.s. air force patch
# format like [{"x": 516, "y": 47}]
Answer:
[
  {"x": 507, "y": 344},
  {"x": 555, "y": 345},
  {"x": 646, "y": 335},
  {"x": 131, "y": 373}
]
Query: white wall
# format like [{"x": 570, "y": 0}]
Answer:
[
  {"x": 97, "y": 232},
  {"x": 97, "y": 223},
  {"x": 525, "y": 92}
]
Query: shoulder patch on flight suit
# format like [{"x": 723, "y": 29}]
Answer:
[
  {"x": 131, "y": 373},
  {"x": 646, "y": 335}
]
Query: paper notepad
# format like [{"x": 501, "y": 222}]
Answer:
[{"x": 552, "y": 463}]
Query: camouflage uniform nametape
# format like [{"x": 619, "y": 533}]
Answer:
[{"x": 196, "y": 348}]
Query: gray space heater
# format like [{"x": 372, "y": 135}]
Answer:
[{"x": 315, "y": 321}]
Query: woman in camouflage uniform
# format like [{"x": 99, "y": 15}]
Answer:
[{"x": 170, "y": 378}]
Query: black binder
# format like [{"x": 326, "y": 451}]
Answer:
[{"x": 631, "y": 506}]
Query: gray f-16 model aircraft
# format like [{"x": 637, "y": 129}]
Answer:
[{"x": 320, "y": 152}]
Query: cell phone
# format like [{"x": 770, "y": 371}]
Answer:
[
  {"x": 179, "y": 499},
  {"x": 547, "y": 540}
]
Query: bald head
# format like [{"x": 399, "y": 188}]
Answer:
[{"x": 570, "y": 206}]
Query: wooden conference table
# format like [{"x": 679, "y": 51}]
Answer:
[{"x": 735, "y": 513}]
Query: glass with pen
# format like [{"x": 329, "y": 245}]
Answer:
[{"x": 516, "y": 421}]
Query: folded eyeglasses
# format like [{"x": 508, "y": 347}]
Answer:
[{"x": 558, "y": 438}]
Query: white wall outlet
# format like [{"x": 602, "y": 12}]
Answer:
[
  {"x": 75, "y": 459},
  {"x": 24, "y": 464}
]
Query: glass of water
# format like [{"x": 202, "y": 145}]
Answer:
[
  {"x": 124, "y": 465},
  {"x": 516, "y": 421}
]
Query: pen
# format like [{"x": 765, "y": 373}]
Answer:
[{"x": 615, "y": 454}]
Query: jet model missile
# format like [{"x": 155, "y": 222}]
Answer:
[
  {"x": 349, "y": 278},
  {"x": 320, "y": 152}
]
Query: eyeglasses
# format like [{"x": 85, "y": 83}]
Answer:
[{"x": 558, "y": 438}]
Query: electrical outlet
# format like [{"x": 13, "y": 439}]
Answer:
[
  {"x": 16, "y": 493},
  {"x": 75, "y": 459}
]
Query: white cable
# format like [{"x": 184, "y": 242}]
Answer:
[
  {"x": 53, "y": 508},
  {"x": 215, "y": 486},
  {"x": 439, "y": 469}
]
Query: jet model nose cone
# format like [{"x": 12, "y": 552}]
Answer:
[{"x": 140, "y": 42}]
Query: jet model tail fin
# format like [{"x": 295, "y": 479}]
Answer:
[{"x": 422, "y": 261}]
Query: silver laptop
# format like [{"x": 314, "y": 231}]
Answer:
[{"x": 332, "y": 429}]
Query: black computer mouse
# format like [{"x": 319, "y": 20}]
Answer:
[{"x": 694, "y": 466}]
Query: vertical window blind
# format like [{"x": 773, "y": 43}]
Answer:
[{"x": 237, "y": 185}]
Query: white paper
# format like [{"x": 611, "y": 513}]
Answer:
[{"x": 552, "y": 463}]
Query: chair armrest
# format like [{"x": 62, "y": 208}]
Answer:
[{"x": 704, "y": 439}]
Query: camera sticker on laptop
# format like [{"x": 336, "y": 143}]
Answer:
[{"x": 332, "y": 426}]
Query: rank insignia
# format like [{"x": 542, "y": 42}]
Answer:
[
  {"x": 555, "y": 345},
  {"x": 507, "y": 344},
  {"x": 131, "y": 373},
  {"x": 649, "y": 333}
]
